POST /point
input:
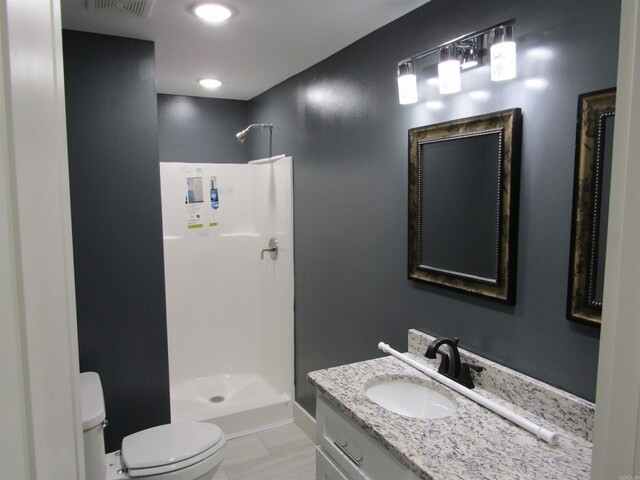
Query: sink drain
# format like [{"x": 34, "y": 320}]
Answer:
[{"x": 217, "y": 399}]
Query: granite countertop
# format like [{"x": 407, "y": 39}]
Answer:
[{"x": 474, "y": 443}]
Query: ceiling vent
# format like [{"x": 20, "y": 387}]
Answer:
[{"x": 139, "y": 8}]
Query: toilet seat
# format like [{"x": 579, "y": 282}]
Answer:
[{"x": 171, "y": 447}]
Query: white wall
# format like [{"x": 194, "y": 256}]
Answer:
[
  {"x": 227, "y": 310},
  {"x": 616, "y": 452},
  {"x": 41, "y": 431}
]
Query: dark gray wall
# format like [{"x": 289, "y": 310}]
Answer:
[
  {"x": 343, "y": 125},
  {"x": 112, "y": 129},
  {"x": 201, "y": 130}
]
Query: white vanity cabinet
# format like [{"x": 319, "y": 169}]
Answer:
[{"x": 344, "y": 451}]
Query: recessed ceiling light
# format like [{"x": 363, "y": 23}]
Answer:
[
  {"x": 209, "y": 82},
  {"x": 212, "y": 12}
]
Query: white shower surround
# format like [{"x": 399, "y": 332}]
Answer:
[{"x": 229, "y": 313}]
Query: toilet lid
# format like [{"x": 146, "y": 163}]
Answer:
[{"x": 169, "y": 444}]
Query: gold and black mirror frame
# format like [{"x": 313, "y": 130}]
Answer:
[
  {"x": 594, "y": 147},
  {"x": 464, "y": 180}
]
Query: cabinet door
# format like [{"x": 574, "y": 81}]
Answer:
[
  {"x": 326, "y": 469},
  {"x": 353, "y": 450}
]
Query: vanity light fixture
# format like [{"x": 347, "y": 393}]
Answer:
[
  {"x": 463, "y": 53},
  {"x": 407, "y": 86},
  {"x": 210, "y": 83},
  {"x": 212, "y": 12}
]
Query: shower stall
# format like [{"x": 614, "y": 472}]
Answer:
[{"x": 228, "y": 251}]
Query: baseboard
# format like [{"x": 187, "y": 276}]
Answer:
[{"x": 305, "y": 421}]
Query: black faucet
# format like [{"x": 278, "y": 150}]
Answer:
[{"x": 450, "y": 365}]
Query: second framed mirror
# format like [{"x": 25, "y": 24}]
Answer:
[{"x": 594, "y": 150}]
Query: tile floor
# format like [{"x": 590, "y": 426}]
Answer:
[{"x": 282, "y": 453}]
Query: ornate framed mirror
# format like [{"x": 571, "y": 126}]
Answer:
[
  {"x": 594, "y": 148},
  {"x": 463, "y": 204}
]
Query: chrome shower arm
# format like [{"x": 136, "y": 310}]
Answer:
[{"x": 240, "y": 136}]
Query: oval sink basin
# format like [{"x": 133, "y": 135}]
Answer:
[{"x": 411, "y": 399}]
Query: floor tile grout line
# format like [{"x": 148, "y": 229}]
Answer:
[
  {"x": 270, "y": 454},
  {"x": 264, "y": 444},
  {"x": 233, "y": 472}
]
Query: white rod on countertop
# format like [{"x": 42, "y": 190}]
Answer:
[{"x": 541, "y": 432}]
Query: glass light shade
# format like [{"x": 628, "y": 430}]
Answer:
[
  {"x": 212, "y": 12},
  {"x": 407, "y": 89},
  {"x": 449, "y": 76},
  {"x": 209, "y": 82},
  {"x": 503, "y": 61}
]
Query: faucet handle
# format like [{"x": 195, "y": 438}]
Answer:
[
  {"x": 272, "y": 249},
  {"x": 465, "y": 374},
  {"x": 476, "y": 368}
]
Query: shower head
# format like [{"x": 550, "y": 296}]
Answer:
[{"x": 241, "y": 136}]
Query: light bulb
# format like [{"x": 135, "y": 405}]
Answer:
[
  {"x": 407, "y": 84},
  {"x": 503, "y": 61},
  {"x": 503, "y": 54},
  {"x": 449, "y": 76},
  {"x": 212, "y": 12},
  {"x": 449, "y": 70},
  {"x": 210, "y": 83}
]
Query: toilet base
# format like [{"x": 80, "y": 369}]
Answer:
[{"x": 114, "y": 466}]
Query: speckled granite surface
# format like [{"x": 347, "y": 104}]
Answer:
[
  {"x": 474, "y": 443},
  {"x": 506, "y": 386}
]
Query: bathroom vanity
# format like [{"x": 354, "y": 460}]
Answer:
[{"x": 360, "y": 440}]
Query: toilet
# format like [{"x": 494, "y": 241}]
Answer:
[{"x": 177, "y": 451}]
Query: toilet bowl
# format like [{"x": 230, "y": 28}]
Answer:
[{"x": 179, "y": 451}]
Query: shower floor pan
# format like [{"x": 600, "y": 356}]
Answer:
[{"x": 239, "y": 403}]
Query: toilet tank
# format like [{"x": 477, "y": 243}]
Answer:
[{"x": 93, "y": 423}]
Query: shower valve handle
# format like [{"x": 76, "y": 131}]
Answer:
[{"x": 272, "y": 249}]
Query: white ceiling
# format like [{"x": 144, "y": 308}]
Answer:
[{"x": 262, "y": 44}]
